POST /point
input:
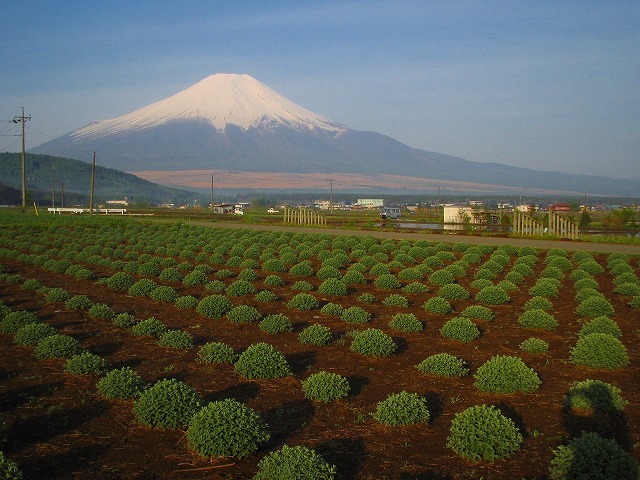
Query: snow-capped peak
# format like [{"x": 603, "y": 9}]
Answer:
[{"x": 221, "y": 99}]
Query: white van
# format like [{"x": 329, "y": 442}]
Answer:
[{"x": 389, "y": 213}]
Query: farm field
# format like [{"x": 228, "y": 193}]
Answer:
[{"x": 386, "y": 306}]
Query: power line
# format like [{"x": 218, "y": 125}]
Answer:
[{"x": 22, "y": 119}]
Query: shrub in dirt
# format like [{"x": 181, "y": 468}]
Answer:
[
  {"x": 552, "y": 272},
  {"x": 294, "y": 463},
  {"x": 590, "y": 456},
  {"x": 86, "y": 362},
  {"x": 226, "y": 428},
  {"x": 537, "y": 318},
  {"x": 453, "y": 291},
  {"x": 240, "y": 287},
  {"x": 325, "y": 387},
  {"x": 275, "y": 323},
  {"x": 578, "y": 274},
  {"x": 248, "y": 274},
  {"x": 124, "y": 320},
  {"x": 379, "y": 269},
  {"x": 355, "y": 315},
  {"x": 303, "y": 301},
  {"x": 302, "y": 269},
  {"x": 595, "y": 396},
  {"x": 122, "y": 383},
  {"x": 4, "y": 310},
  {"x": 544, "y": 287},
  {"x": 627, "y": 277},
  {"x": 461, "y": 329},
  {"x": 601, "y": 351},
  {"x": 274, "y": 265},
  {"x": 186, "y": 302},
  {"x": 332, "y": 286},
  {"x": 273, "y": 281},
  {"x": 332, "y": 309},
  {"x": 506, "y": 374},
  {"x": 150, "y": 326},
  {"x": 514, "y": 277},
  {"x": 538, "y": 303},
  {"x": 57, "y": 346},
  {"x": 327, "y": 272},
  {"x": 243, "y": 314},
  {"x": 265, "y": 296},
  {"x": 100, "y": 310},
  {"x": 142, "y": 288},
  {"x": 14, "y": 321},
  {"x": 302, "y": 286},
  {"x": 585, "y": 283},
  {"x": 628, "y": 288},
  {"x": 10, "y": 470},
  {"x": 484, "y": 274},
  {"x": 216, "y": 286},
  {"x": 31, "y": 284},
  {"x": 406, "y": 322},
  {"x": 217, "y": 352},
  {"x": 224, "y": 273},
  {"x": 373, "y": 342},
  {"x": 214, "y": 306},
  {"x": 120, "y": 281},
  {"x": 477, "y": 312},
  {"x": 78, "y": 302},
  {"x": 57, "y": 295},
  {"x": 481, "y": 283},
  {"x": 587, "y": 292},
  {"x": 316, "y": 334},
  {"x": 534, "y": 345},
  {"x": 396, "y": 300},
  {"x": 437, "y": 305},
  {"x": 262, "y": 360},
  {"x": 441, "y": 277},
  {"x": 483, "y": 433},
  {"x": 367, "y": 298},
  {"x": 595, "y": 307},
  {"x": 410, "y": 274},
  {"x": 592, "y": 267},
  {"x": 443, "y": 365},
  {"x": 168, "y": 404},
  {"x": 176, "y": 339},
  {"x": 415, "y": 287},
  {"x": 635, "y": 302},
  {"x": 601, "y": 324},
  {"x": 195, "y": 278},
  {"x": 353, "y": 277},
  {"x": 164, "y": 293},
  {"x": 492, "y": 295},
  {"x": 402, "y": 408},
  {"x": 387, "y": 281},
  {"x": 31, "y": 334}
]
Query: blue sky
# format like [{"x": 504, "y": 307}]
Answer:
[{"x": 549, "y": 85}]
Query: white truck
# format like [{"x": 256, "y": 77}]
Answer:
[{"x": 390, "y": 213}]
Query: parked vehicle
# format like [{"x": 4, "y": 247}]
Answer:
[{"x": 390, "y": 213}]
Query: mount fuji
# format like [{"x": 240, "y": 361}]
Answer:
[{"x": 233, "y": 122}]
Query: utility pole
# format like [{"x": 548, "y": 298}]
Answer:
[
  {"x": 22, "y": 119},
  {"x": 93, "y": 177},
  {"x": 211, "y": 192},
  {"x": 331, "y": 195},
  {"x": 53, "y": 192}
]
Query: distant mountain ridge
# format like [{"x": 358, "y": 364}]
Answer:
[{"x": 234, "y": 122}]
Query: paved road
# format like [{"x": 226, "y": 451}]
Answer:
[{"x": 433, "y": 237}]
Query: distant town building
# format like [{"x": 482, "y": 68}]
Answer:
[
  {"x": 559, "y": 207},
  {"x": 371, "y": 202},
  {"x": 124, "y": 202}
]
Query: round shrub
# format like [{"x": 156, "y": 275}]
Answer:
[
  {"x": 353, "y": 277},
  {"x": 477, "y": 312},
  {"x": 453, "y": 291},
  {"x": 595, "y": 396},
  {"x": 628, "y": 288},
  {"x": 601, "y": 351},
  {"x": 406, "y": 322},
  {"x": 483, "y": 433},
  {"x": 168, "y": 404},
  {"x": 534, "y": 345},
  {"x": 294, "y": 463},
  {"x": 443, "y": 365},
  {"x": 492, "y": 295},
  {"x": 31, "y": 334},
  {"x": 57, "y": 295},
  {"x": 590, "y": 456},
  {"x": 275, "y": 323},
  {"x": 273, "y": 281},
  {"x": 302, "y": 269},
  {"x": 538, "y": 303},
  {"x": 325, "y": 387},
  {"x": 302, "y": 286},
  {"x": 240, "y": 287},
  {"x": 461, "y": 329},
  {"x": 415, "y": 287},
  {"x": 537, "y": 318},
  {"x": 217, "y": 352},
  {"x": 396, "y": 300},
  {"x": 355, "y": 315},
  {"x": 332, "y": 309},
  {"x": 506, "y": 374},
  {"x": 410, "y": 274},
  {"x": 176, "y": 339},
  {"x": 601, "y": 324},
  {"x": 373, "y": 342},
  {"x": 484, "y": 274},
  {"x": 544, "y": 287},
  {"x": 387, "y": 281},
  {"x": 402, "y": 409},
  {"x": 587, "y": 292},
  {"x": 195, "y": 278},
  {"x": 243, "y": 314},
  {"x": 315, "y": 335},
  {"x": 594, "y": 307},
  {"x": 262, "y": 360},
  {"x": 552, "y": 272},
  {"x": 164, "y": 293},
  {"x": 31, "y": 284},
  {"x": 585, "y": 283},
  {"x": 142, "y": 288},
  {"x": 57, "y": 346},
  {"x": 437, "y": 305},
  {"x": 367, "y": 298},
  {"x": 327, "y": 272},
  {"x": 14, "y": 321},
  {"x": 150, "y": 326},
  {"x": 214, "y": 306},
  {"x": 248, "y": 274},
  {"x": 226, "y": 428},
  {"x": 481, "y": 283},
  {"x": 224, "y": 273},
  {"x": 86, "y": 362},
  {"x": 120, "y": 281},
  {"x": 274, "y": 265},
  {"x": 186, "y": 302},
  {"x": 100, "y": 310},
  {"x": 124, "y": 320},
  {"x": 332, "y": 286},
  {"x": 441, "y": 277},
  {"x": 10, "y": 470},
  {"x": 303, "y": 301}
]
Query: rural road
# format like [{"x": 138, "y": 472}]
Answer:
[{"x": 431, "y": 237}]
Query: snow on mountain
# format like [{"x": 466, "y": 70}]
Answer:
[{"x": 221, "y": 100}]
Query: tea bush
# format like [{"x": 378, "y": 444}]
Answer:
[
  {"x": 164, "y": 293},
  {"x": 595, "y": 396},
  {"x": 355, "y": 315},
  {"x": 86, "y": 362},
  {"x": 595, "y": 307},
  {"x": 240, "y": 287},
  {"x": 14, "y": 321},
  {"x": 57, "y": 346},
  {"x": 265, "y": 296},
  {"x": 168, "y": 404},
  {"x": 243, "y": 314},
  {"x": 248, "y": 274},
  {"x": 332, "y": 286},
  {"x": 294, "y": 463},
  {"x": 195, "y": 278},
  {"x": 592, "y": 267},
  {"x": 481, "y": 283},
  {"x": 31, "y": 284},
  {"x": 274, "y": 265},
  {"x": 226, "y": 428},
  {"x": 276, "y": 323},
  {"x": 142, "y": 288},
  {"x": 387, "y": 281},
  {"x": 302, "y": 286},
  {"x": 587, "y": 292},
  {"x": 453, "y": 291},
  {"x": 538, "y": 318},
  {"x": 217, "y": 352},
  {"x": 538, "y": 303},
  {"x": 224, "y": 273},
  {"x": 443, "y": 365},
  {"x": 325, "y": 387},
  {"x": 410, "y": 274},
  {"x": 483, "y": 433},
  {"x": 415, "y": 287},
  {"x": 601, "y": 351},
  {"x": 303, "y": 301},
  {"x": 591, "y": 456},
  {"x": 534, "y": 345},
  {"x": 437, "y": 305},
  {"x": 214, "y": 306},
  {"x": 441, "y": 277},
  {"x": 628, "y": 288},
  {"x": 78, "y": 302},
  {"x": 273, "y": 281},
  {"x": 379, "y": 269},
  {"x": 57, "y": 295},
  {"x": 635, "y": 302},
  {"x": 32, "y": 333},
  {"x": 544, "y": 287},
  {"x": 315, "y": 335},
  {"x": 186, "y": 302},
  {"x": 552, "y": 272},
  {"x": 120, "y": 281},
  {"x": 262, "y": 360},
  {"x": 402, "y": 409},
  {"x": 484, "y": 274},
  {"x": 176, "y": 339},
  {"x": 586, "y": 283},
  {"x": 461, "y": 329},
  {"x": 10, "y": 470},
  {"x": 150, "y": 326},
  {"x": 332, "y": 309},
  {"x": 601, "y": 324},
  {"x": 326, "y": 272},
  {"x": 492, "y": 295},
  {"x": 124, "y": 320},
  {"x": 506, "y": 374},
  {"x": 302, "y": 269},
  {"x": 367, "y": 298},
  {"x": 406, "y": 322},
  {"x": 396, "y": 300},
  {"x": 353, "y": 277},
  {"x": 477, "y": 312},
  {"x": 373, "y": 343}
]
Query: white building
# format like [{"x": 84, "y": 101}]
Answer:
[{"x": 371, "y": 202}]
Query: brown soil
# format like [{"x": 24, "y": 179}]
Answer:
[{"x": 60, "y": 428}]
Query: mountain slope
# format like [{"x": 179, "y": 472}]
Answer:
[{"x": 233, "y": 122}]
